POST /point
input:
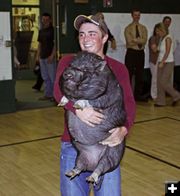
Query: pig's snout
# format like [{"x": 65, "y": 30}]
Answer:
[{"x": 69, "y": 74}]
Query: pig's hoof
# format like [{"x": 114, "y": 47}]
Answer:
[
  {"x": 77, "y": 106},
  {"x": 63, "y": 101},
  {"x": 92, "y": 178},
  {"x": 71, "y": 174}
]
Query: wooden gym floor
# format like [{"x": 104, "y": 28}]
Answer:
[{"x": 30, "y": 145}]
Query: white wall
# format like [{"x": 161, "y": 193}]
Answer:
[{"x": 118, "y": 21}]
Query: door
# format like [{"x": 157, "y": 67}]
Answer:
[{"x": 5, "y": 47}]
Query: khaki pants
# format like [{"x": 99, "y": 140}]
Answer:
[
  {"x": 164, "y": 84},
  {"x": 153, "y": 69}
]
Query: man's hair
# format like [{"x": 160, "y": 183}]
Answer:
[
  {"x": 167, "y": 17},
  {"x": 46, "y": 14},
  {"x": 135, "y": 10}
]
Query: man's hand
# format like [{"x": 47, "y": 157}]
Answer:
[
  {"x": 90, "y": 116},
  {"x": 161, "y": 64},
  {"x": 50, "y": 59},
  {"x": 116, "y": 137}
]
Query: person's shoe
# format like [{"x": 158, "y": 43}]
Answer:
[
  {"x": 175, "y": 102},
  {"x": 35, "y": 88},
  {"x": 45, "y": 98}
]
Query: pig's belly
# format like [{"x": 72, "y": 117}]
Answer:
[
  {"x": 85, "y": 134},
  {"x": 90, "y": 154}
]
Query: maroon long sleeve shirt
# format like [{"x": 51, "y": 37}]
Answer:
[{"x": 122, "y": 76}]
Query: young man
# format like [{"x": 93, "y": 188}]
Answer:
[
  {"x": 46, "y": 56},
  {"x": 136, "y": 38},
  {"x": 167, "y": 21},
  {"x": 93, "y": 33}
]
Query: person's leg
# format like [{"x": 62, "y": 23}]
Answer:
[
  {"x": 161, "y": 96},
  {"x": 153, "y": 69},
  {"x": 39, "y": 82},
  {"x": 166, "y": 81},
  {"x": 139, "y": 70},
  {"x": 52, "y": 73},
  {"x": 129, "y": 57},
  {"x": 77, "y": 185},
  {"x": 111, "y": 184},
  {"x": 45, "y": 76}
]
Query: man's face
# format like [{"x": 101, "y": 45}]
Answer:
[
  {"x": 167, "y": 22},
  {"x": 91, "y": 39},
  {"x": 136, "y": 16},
  {"x": 46, "y": 21}
]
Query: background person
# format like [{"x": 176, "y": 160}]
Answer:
[
  {"x": 111, "y": 38},
  {"x": 39, "y": 81},
  {"x": 165, "y": 68},
  {"x": 153, "y": 44},
  {"x": 136, "y": 38},
  {"x": 167, "y": 20},
  {"x": 22, "y": 41},
  {"x": 46, "y": 56},
  {"x": 93, "y": 33}
]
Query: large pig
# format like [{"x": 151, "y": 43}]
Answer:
[{"x": 88, "y": 81}]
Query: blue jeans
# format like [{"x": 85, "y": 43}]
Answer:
[
  {"x": 111, "y": 184},
  {"x": 48, "y": 72}
]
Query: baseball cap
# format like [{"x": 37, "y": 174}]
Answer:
[{"x": 95, "y": 19}]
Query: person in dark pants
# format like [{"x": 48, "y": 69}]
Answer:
[
  {"x": 112, "y": 40},
  {"x": 136, "y": 38},
  {"x": 39, "y": 81}
]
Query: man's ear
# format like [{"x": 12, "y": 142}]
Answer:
[{"x": 105, "y": 38}]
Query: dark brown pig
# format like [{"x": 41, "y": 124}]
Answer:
[{"x": 88, "y": 81}]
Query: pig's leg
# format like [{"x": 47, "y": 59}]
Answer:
[
  {"x": 74, "y": 172},
  {"x": 109, "y": 161},
  {"x": 81, "y": 165},
  {"x": 102, "y": 167}
]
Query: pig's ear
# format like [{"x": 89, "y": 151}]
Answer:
[{"x": 102, "y": 65}]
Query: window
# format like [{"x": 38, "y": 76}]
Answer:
[{"x": 25, "y": 2}]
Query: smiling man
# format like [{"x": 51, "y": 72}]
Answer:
[{"x": 93, "y": 33}]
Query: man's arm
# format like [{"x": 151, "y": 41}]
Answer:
[
  {"x": 38, "y": 52},
  {"x": 119, "y": 133},
  {"x": 52, "y": 55},
  {"x": 63, "y": 63},
  {"x": 143, "y": 39},
  {"x": 129, "y": 37}
]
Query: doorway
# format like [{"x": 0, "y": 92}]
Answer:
[
  {"x": 26, "y": 24},
  {"x": 25, "y": 33}
]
